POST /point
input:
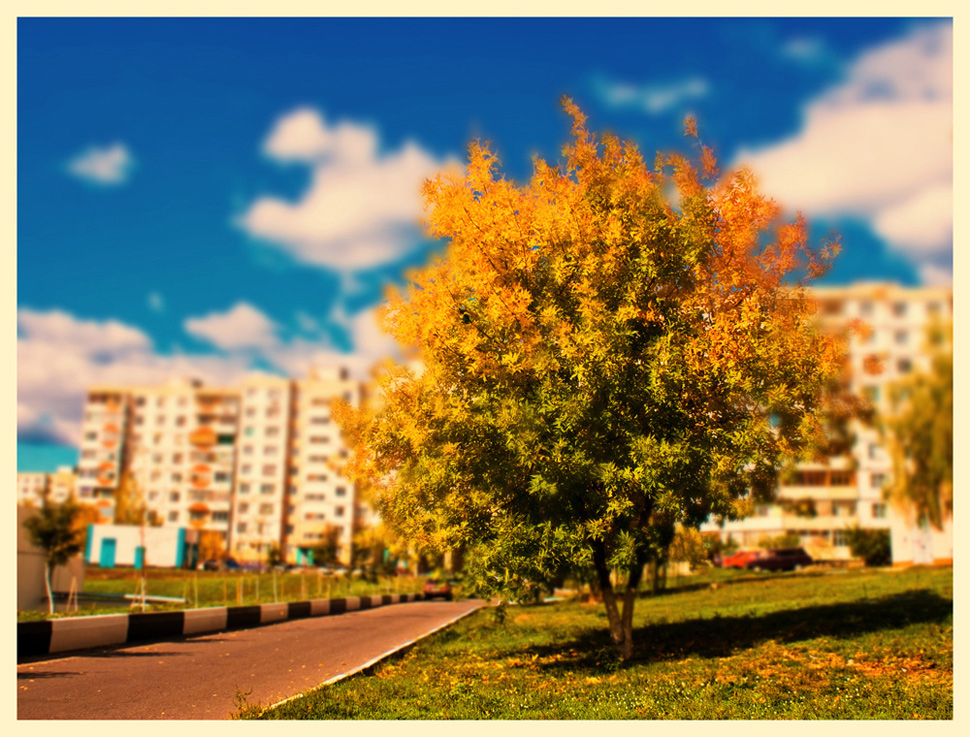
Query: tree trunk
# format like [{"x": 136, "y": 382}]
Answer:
[
  {"x": 621, "y": 625},
  {"x": 609, "y": 596},
  {"x": 48, "y": 573},
  {"x": 629, "y": 600}
]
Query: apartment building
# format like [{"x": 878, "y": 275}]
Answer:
[
  {"x": 822, "y": 500},
  {"x": 255, "y": 463},
  {"x": 32, "y": 488}
]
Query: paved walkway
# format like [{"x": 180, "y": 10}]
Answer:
[{"x": 200, "y": 677}]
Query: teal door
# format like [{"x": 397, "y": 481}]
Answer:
[
  {"x": 139, "y": 558},
  {"x": 108, "y": 546}
]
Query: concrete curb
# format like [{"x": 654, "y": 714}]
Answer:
[{"x": 80, "y": 633}]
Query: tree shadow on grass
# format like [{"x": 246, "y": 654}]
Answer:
[{"x": 718, "y": 636}]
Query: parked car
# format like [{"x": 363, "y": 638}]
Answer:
[
  {"x": 212, "y": 564},
  {"x": 782, "y": 559},
  {"x": 437, "y": 587},
  {"x": 741, "y": 558}
]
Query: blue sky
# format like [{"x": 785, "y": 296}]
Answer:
[{"x": 212, "y": 196}]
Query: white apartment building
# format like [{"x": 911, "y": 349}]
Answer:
[
  {"x": 823, "y": 500},
  {"x": 255, "y": 464},
  {"x": 32, "y": 488}
]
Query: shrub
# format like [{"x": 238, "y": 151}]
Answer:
[{"x": 870, "y": 545}]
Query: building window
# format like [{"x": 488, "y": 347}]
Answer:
[
  {"x": 173, "y": 516},
  {"x": 267, "y": 488},
  {"x": 243, "y": 488},
  {"x": 878, "y": 510},
  {"x": 902, "y": 337},
  {"x": 341, "y": 491},
  {"x": 839, "y": 538},
  {"x": 241, "y": 527},
  {"x": 871, "y": 393},
  {"x": 272, "y": 432},
  {"x": 269, "y": 469},
  {"x": 899, "y": 309},
  {"x": 904, "y": 365},
  {"x": 877, "y": 480},
  {"x": 339, "y": 511},
  {"x": 266, "y": 509},
  {"x": 842, "y": 478},
  {"x": 220, "y": 516}
]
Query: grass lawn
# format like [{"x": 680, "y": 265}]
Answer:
[{"x": 863, "y": 644}]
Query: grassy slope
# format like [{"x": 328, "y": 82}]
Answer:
[{"x": 856, "y": 645}]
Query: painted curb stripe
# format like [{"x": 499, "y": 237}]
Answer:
[
  {"x": 151, "y": 625},
  {"x": 61, "y": 635},
  {"x": 240, "y": 617},
  {"x": 299, "y": 609},
  {"x": 33, "y": 638}
]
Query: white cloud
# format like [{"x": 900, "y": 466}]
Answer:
[
  {"x": 370, "y": 346},
  {"x": 108, "y": 165},
  {"x": 241, "y": 327},
  {"x": 156, "y": 303},
  {"x": 59, "y": 357},
  {"x": 806, "y": 50},
  {"x": 362, "y": 209},
  {"x": 653, "y": 98},
  {"x": 878, "y": 146}
]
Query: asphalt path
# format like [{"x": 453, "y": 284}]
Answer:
[{"x": 199, "y": 677}]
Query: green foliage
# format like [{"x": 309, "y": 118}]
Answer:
[
  {"x": 788, "y": 539},
  {"x": 54, "y": 530},
  {"x": 600, "y": 362},
  {"x": 919, "y": 433},
  {"x": 873, "y": 546},
  {"x": 130, "y": 507},
  {"x": 325, "y": 552},
  {"x": 688, "y": 546},
  {"x": 274, "y": 556}
]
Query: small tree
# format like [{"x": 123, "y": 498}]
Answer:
[
  {"x": 918, "y": 430},
  {"x": 130, "y": 506},
  {"x": 55, "y": 531},
  {"x": 325, "y": 552},
  {"x": 606, "y": 352},
  {"x": 873, "y": 546}
]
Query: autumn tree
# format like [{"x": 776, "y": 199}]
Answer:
[
  {"x": 130, "y": 506},
  {"x": 55, "y": 530},
  {"x": 918, "y": 429},
  {"x": 605, "y": 353}
]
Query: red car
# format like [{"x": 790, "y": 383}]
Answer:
[
  {"x": 741, "y": 558},
  {"x": 783, "y": 559},
  {"x": 436, "y": 587}
]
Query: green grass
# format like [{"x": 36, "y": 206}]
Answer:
[
  {"x": 841, "y": 645},
  {"x": 210, "y": 588}
]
